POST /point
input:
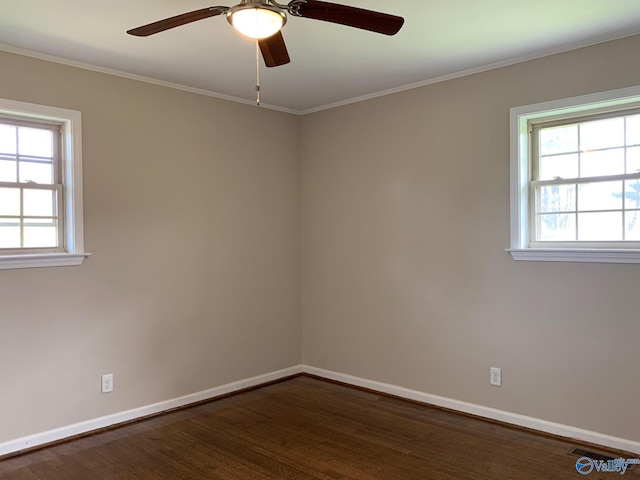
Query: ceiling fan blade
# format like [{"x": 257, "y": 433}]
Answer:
[
  {"x": 167, "y": 23},
  {"x": 274, "y": 50},
  {"x": 349, "y": 16}
]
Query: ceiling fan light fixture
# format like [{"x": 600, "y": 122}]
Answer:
[{"x": 256, "y": 20}]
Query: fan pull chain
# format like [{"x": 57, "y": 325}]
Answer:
[{"x": 257, "y": 73}]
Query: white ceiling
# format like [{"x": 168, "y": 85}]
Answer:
[{"x": 330, "y": 64}]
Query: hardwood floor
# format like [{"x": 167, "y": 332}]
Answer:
[{"x": 305, "y": 428}]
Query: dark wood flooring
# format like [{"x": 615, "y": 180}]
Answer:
[{"x": 307, "y": 429}]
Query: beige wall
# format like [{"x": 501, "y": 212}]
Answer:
[
  {"x": 195, "y": 233},
  {"x": 405, "y": 207},
  {"x": 192, "y": 214}
]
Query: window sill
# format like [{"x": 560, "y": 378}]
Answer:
[
  {"x": 42, "y": 260},
  {"x": 586, "y": 255}
]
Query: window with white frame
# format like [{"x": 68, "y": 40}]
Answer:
[
  {"x": 40, "y": 186},
  {"x": 575, "y": 193}
]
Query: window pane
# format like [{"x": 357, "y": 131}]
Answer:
[
  {"x": 36, "y": 172},
  {"x": 9, "y": 201},
  {"x": 8, "y": 171},
  {"x": 40, "y": 203},
  {"x": 633, "y": 160},
  {"x": 9, "y": 233},
  {"x": 562, "y": 139},
  {"x": 632, "y": 225},
  {"x": 556, "y": 227},
  {"x": 556, "y": 198},
  {"x": 605, "y": 162},
  {"x": 8, "y": 139},
  {"x": 600, "y": 226},
  {"x": 602, "y": 134},
  {"x": 40, "y": 233},
  {"x": 563, "y": 166},
  {"x": 600, "y": 196},
  {"x": 35, "y": 142},
  {"x": 633, "y": 130},
  {"x": 632, "y": 194}
]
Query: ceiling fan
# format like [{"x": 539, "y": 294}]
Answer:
[{"x": 263, "y": 19}]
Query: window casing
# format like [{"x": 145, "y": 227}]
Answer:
[
  {"x": 575, "y": 179},
  {"x": 41, "y": 210}
]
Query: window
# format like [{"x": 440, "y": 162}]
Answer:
[
  {"x": 575, "y": 174},
  {"x": 40, "y": 186}
]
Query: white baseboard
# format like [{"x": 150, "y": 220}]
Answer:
[
  {"x": 481, "y": 411},
  {"x": 13, "y": 446}
]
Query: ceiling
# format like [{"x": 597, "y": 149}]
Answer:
[{"x": 330, "y": 64}]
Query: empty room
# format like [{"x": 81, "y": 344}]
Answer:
[{"x": 379, "y": 240}]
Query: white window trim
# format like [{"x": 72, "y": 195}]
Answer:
[
  {"x": 520, "y": 176},
  {"x": 71, "y": 172}
]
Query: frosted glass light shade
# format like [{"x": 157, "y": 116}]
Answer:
[{"x": 256, "y": 22}]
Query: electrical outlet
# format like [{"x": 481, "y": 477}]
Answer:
[
  {"x": 107, "y": 383},
  {"x": 496, "y": 377}
]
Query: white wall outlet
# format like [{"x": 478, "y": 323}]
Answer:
[
  {"x": 107, "y": 383},
  {"x": 496, "y": 377}
]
